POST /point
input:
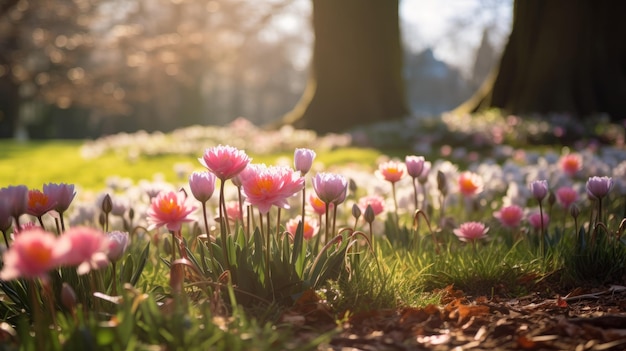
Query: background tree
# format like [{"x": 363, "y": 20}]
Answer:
[
  {"x": 562, "y": 57},
  {"x": 356, "y": 73}
]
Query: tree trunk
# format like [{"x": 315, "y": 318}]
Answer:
[
  {"x": 562, "y": 56},
  {"x": 356, "y": 73}
]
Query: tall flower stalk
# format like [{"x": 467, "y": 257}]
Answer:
[{"x": 539, "y": 190}]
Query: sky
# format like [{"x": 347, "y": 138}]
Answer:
[{"x": 431, "y": 23}]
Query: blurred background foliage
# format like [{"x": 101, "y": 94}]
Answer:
[{"x": 77, "y": 69}]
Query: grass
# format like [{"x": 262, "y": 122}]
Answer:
[
  {"x": 240, "y": 309},
  {"x": 35, "y": 163}
]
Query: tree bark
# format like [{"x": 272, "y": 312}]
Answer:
[
  {"x": 563, "y": 56},
  {"x": 356, "y": 73}
]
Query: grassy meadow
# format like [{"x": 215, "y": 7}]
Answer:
[{"x": 259, "y": 283}]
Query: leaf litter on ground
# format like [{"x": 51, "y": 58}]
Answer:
[{"x": 581, "y": 320}]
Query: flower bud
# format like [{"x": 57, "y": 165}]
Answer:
[
  {"x": 107, "y": 204},
  {"x": 442, "y": 183},
  {"x": 369, "y": 215},
  {"x": 356, "y": 211},
  {"x": 68, "y": 297}
]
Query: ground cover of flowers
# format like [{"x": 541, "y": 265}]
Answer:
[{"x": 506, "y": 248}]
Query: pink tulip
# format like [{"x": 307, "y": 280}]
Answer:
[
  {"x": 202, "y": 185},
  {"x": 330, "y": 188},
  {"x": 471, "y": 231},
  {"x": 17, "y": 197},
  {"x": 391, "y": 171},
  {"x": 414, "y": 165},
  {"x": 266, "y": 186},
  {"x": 32, "y": 255},
  {"x": 539, "y": 189},
  {"x": 118, "y": 243},
  {"x": 566, "y": 196},
  {"x": 310, "y": 227},
  {"x": 89, "y": 249},
  {"x": 470, "y": 184},
  {"x": 317, "y": 204},
  {"x": 375, "y": 201},
  {"x": 62, "y": 194},
  {"x": 224, "y": 161},
  {"x": 535, "y": 220},
  {"x": 509, "y": 216},
  {"x": 5, "y": 213},
  {"x": 303, "y": 160},
  {"x": 571, "y": 164},
  {"x": 233, "y": 211},
  {"x": 39, "y": 203},
  {"x": 170, "y": 209},
  {"x": 599, "y": 187}
]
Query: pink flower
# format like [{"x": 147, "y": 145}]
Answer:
[
  {"x": 89, "y": 249},
  {"x": 17, "y": 197},
  {"x": 202, "y": 185},
  {"x": 535, "y": 220},
  {"x": 224, "y": 161},
  {"x": 233, "y": 211},
  {"x": 566, "y": 196},
  {"x": 32, "y": 255},
  {"x": 391, "y": 171},
  {"x": 599, "y": 187},
  {"x": 423, "y": 177},
  {"x": 414, "y": 165},
  {"x": 310, "y": 226},
  {"x": 330, "y": 188},
  {"x": 571, "y": 164},
  {"x": 375, "y": 201},
  {"x": 471, "y": 231},
  {"x": 509, "y": 216},
  {"x": 266, "y": 186},
  {"x": 62, "y": 194},
  {"x": 5, "y": 213},
  {"x": 470, "y": 184},
  {"x": 39, "y": 203},
  {"x": 303, "y": 160},
  {"x": 318, "y": 205},
  {"x": 539, "y": 189},
  {"x": 118, "y": 243},
  {"x": 170, "y": 209}
]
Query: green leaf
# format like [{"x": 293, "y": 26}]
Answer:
[{"x": 141, "y": 264}]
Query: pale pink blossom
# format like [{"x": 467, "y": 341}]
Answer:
[
  {"x": 471, "y": 231},
  {"x": 33, "y": 254},
  {"x": 118, "y": 244},
  {"x": 470, "y": 184},
  {"x": 265, "y": 187},
  {"x": 539, "y": 189},
  {"x": 39, "y": 203},
  {"x": 377, "y": 203},
  {"x": 330, "y": 187},
  {"x": 599, "y": 187},
  {"x": 62, "y": 194},
  {"x": 318, "y": 205},
  {"x": 310, "y": 226},
  {"x": 303, "y": 160},
  {"x": 509, "y": 216},
  {"x": 17, "y": 197},
  {"x": 414, "y": 165},
  {"x": 224, "y": 161},
  {"x": 202, "y": 185},
  {"x": 391, "y": 171},
  {"x": 566, "y": 196},
  {"x": 233, "y": 211},
  {"x": 89, "y": 248},
  {"x": 571, "y": 164},
  {"x": 170, "y": 209},
  {"x": 535, "y": 220}
]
